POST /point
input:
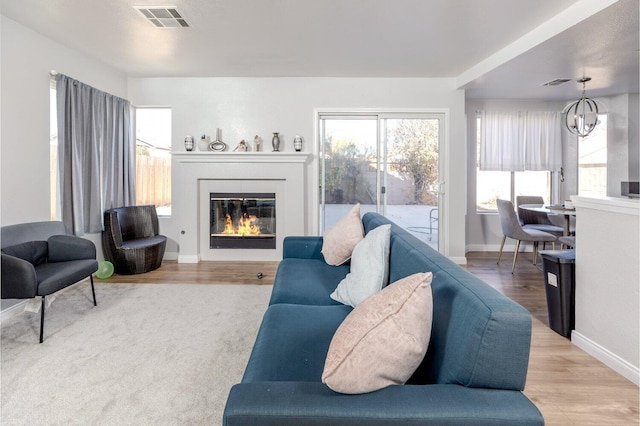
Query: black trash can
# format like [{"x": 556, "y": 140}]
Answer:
[{"x": 560, "y": 282}]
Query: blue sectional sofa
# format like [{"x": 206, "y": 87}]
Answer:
[{"x": 473, "y": 373}]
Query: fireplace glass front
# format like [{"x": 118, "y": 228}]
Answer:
[{"x": 243, "y": 220}]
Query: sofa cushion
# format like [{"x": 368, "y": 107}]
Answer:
[
  {"x": 369, "y": 268},
  {"x": 34, "y": 252},
  {"x": 292, "y": 342},
  {"x": 383, "y": 340},
  {"x": 340, "y": 240},
  {"x": 306, "y": 282}
]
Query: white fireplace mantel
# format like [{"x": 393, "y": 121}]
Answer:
[
  {"x": 196, "y": 173},
  {"x": 240, "y": 157}
]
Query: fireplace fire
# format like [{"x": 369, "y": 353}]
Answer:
[{"x": 243, "y": 220}]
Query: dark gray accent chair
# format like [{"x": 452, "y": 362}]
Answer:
[
  {"x": 511, "y": 228},
  {"x": 131, "y": 239},
  {"x": 41, "y": 258}
]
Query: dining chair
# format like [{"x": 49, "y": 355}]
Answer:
[
  {"x": 558, "y": 220},
  {"x": 511, "y": 228},
  {"x": 568, "y": 241},
  {"x": 535, "y": 220}
]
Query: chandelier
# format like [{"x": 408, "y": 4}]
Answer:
[{"x": 581, "y": 116}]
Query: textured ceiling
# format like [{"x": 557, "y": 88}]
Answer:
[{"x": 345, "y": 38}]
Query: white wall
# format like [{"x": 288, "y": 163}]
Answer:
[
  {"x": 622, "y": 140},
  {"x": 27, "y": 58},
  {"x": 634, "y": 140},
  {"x": 608, "y": 282},
  {"x": 244, "y": 107}
]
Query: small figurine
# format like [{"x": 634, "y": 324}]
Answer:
[
  {"x": 256, "y": 143},
  {"x": 242, "y": 146}
]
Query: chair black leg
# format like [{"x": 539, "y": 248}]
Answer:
[
  {"x": 42, "y": 321},
  {"x": 93, "y": 291}
]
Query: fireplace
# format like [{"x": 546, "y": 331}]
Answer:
[{"x": 242, "y": 220}]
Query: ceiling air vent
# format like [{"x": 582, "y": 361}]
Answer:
[
  {"x": 557, "y": 82},
  {"x": 163, "y": 16}
]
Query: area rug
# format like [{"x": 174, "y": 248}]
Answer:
[{"x": 158, "y": 354}]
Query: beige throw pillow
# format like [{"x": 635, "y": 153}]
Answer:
[
  {"x": 340, "y": 240},
  {"x": 383, "y": 340},
  {"x": 369, "y": 268}
]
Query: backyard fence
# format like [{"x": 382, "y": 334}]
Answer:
[{"x": 153, "y": 180}]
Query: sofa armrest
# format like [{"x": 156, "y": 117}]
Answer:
[
  {"x": 19, "y": 279},
  {"x": 63, "y": 248},
  {"x": 314, "y": 404},
  {"x": 308, "y": 247}
]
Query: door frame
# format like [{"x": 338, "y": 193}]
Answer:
[{"x": 443, "y": 156}]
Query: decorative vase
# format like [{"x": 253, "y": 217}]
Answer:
[
  {"x": 218, "y": 145},
  {"x": 188, "y": 143},
  {"x": 275, "y": 142},
  {"x": 297, "y": 143},
  {"x": 203, "y": 145}
]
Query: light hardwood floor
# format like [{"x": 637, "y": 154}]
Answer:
[{"x": 569, "y": 386}]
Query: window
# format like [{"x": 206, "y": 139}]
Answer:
[
  {"x": 506, "y": 185},
  {"x": 53, "y": 152},
  {"x": 153, "y": 158},
  {"x": 387, "y": 162},
  {"x": 592, "y": 161},
  {"x": 492, "y": 185},
  {"x": 533, "y": 183}
]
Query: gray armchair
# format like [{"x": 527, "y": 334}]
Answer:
[
  {"x": 40, "y": 258},
  {"x": 511, "y": 228}
]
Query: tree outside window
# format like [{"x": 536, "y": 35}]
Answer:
[{"x": 413, "y": 154}]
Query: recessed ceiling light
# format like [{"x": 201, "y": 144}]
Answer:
[{"x": 163, "y": 16}]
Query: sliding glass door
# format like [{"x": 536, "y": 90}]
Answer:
[{"x": 389, "y": 163}]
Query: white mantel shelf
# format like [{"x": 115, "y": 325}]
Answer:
[{"x": 241, "y": 157}]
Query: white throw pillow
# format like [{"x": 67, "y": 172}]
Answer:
[
  {"x": 339, "y": 240},
  {"x": 383, "y": 340},
  {"x": 369, "y": 268}
]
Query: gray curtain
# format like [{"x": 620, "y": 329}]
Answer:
[{"x": 96, "y": 154}]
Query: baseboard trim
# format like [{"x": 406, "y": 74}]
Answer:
[
  {"x": 508, "y": 248},
  {"x": 611, "y": 360},
  {"x": 170, "y": 255},
  {"x": 459, "y": 260},
  {"x": 12, "y": 310},
  {"x": 188, "y": 259}
]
